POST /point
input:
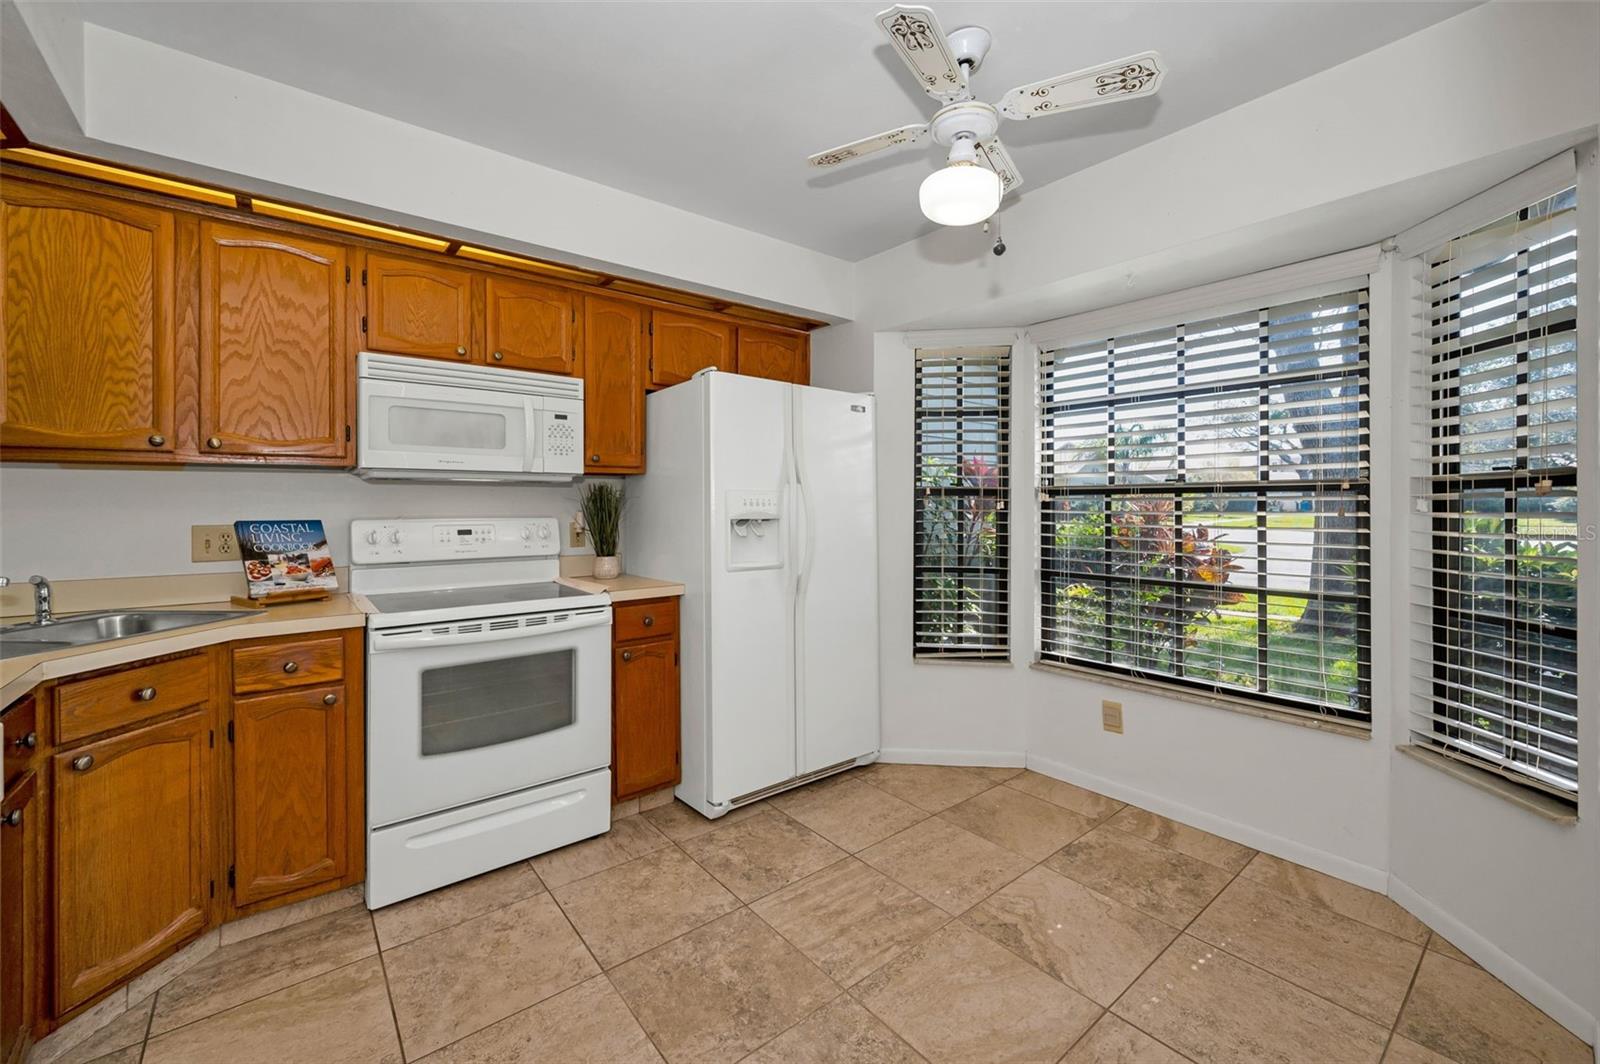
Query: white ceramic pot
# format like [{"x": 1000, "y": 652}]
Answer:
[{"x": 607, "y": 567}]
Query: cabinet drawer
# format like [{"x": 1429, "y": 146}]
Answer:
[
  {"x": 644, "y": 620},
  {"x": 89, "y": 707},
  {"x": 269, "y": 666},
  {"x": 22, "y": 738}
]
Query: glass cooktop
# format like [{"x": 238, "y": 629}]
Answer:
[{"x": 451, "y": 597}]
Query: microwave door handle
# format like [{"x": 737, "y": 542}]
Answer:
[{"x": 530, "y": 462}]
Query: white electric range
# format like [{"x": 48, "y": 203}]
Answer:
[{"x": 488, "y": 699}]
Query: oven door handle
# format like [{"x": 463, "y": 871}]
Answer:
[{"x": 407, "y": 640}]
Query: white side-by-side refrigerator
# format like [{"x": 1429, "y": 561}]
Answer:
[{"x": 761, "y": 498}]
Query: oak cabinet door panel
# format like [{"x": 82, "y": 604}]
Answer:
[
  {"x": 89, "y": 349},
  {"x": 273, "y": 363},
  {"x": 614, "y": 384},
  {"x": 531, "y": 326},
  {"x": 131, "y": 827},
  {"x": 289, "y": 820},
  {"x": 419, "y": 308},
  {"x": 681, "y": 345},
  {"x": 778, "y": 355},
  {"x": 645, "y": 715},
  {"x": 21, "y": 915}
]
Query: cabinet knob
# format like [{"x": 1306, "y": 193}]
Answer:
[
  {"x": 214, "y": 442},
  {"x": 291, "y": 666},
  {"x": 498, "y": 356},
  {"x": 627, "y": 655},
  {"x": 157, "y": 440},
  {"x": 649, "y": 621},
  {"x": 14, "y": 818},
  {"x": 83, "y": 762},
  {"x": 329, "y": 699},
  {"x": 594, "y": 458},
  {"x": 145, "y": 694},
  {"x": 461, "y": 350},
  {"x": 27, "y": 742}
]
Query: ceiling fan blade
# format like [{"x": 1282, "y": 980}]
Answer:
[
  {"x": 919, "y": 39},
  {"x": 993, "y": 154},
  {"x": 867, "y": 145},
  {"x": 1137, "y": 75}
]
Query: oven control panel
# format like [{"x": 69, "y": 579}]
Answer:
[{"x": 429, "y": 539}]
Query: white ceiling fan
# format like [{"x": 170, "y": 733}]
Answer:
[{"x": 980, "y": 172}]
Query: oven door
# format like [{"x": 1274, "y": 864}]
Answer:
[
  {"x": 439, "y": 429},
  {"x": 466, "y": 710}
]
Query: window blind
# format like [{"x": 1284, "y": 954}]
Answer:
[
  {"x": 962, "y": 555},
  {"x": 1497, "y": 658},
  {"x": 1203, "y": 510}
]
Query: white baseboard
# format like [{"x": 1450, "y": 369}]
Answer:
[
  {"x": 1334, "y": 865},
  {"x": 1501, "y": 965},
  {"x": 994, "y": 758}
]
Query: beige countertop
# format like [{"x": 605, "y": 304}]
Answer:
[
  {"x": 626, "y": 588},
  {"x": 20, "y": 675}
]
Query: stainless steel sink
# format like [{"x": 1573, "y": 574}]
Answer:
[{"x": 84, "y": 630}]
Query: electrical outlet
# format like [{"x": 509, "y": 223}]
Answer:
[
  {"x": 576, "y": 537},
  {"x": 212, "y": 543},
  {"x": 1111, "y": 716}
]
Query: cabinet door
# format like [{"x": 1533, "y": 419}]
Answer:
[
  {"x": 782, "y": 356},
  {"x": 613, "y": 386},
  {"x": 681, "y": 345},
  {"x": 131, "y": 825},
  {"x": 273, "y": 367},
  {"x": 531, "y": 326},
  {"x": 89, "y": 353},
  {"x": 20, "y": 912},
  {"x": 289, "y": 825},
  {"x": 419, "y": 308},
  {"x": 644, "y": 716}
]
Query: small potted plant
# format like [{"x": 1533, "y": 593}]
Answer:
[{"x": 602, "y": 515}]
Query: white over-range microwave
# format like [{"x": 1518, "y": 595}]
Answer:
[{"x": 422, "y": 419}]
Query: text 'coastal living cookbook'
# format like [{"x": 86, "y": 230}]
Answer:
[{"x": 285, "y": 556}]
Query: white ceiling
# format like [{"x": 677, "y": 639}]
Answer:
[{"x": 713, "y": 107}]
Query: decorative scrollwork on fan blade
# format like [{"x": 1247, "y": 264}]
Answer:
[
  {"x": 834, "y": 158},
  {"x": 912, "y": 32},
  {"x": 1132, "y": 78}
]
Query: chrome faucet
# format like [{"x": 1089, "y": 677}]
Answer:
[{"x": 41, "y": 600}]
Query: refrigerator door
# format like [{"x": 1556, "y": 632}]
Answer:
[
  {"x": 836, "y": 645},
  {"x": 750, "y": 584}
]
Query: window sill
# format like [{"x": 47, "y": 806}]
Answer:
[
  {"x": 1215, "y": 701},
  {"x": 982, "y": 663},
  {"x": 1551, "y": 809}
]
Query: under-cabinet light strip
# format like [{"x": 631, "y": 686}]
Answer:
[{"x": 68, "y": 164}]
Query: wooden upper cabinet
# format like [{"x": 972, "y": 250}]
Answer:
[
  {"x": 782, "y": 356},
  {"x": 89, "y": 358},
  {"x": 683, "y": 344},
  {"x": 131, "y": 829},
  {"x": 419, "y": 308},
  {"x": 531, "y": 326},
  {"x": 289, "y": 802},
  {"x": 613, "y": 385},
  {"x": 273, "y": 365}
]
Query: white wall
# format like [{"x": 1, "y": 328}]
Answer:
[
  {"x": 81, "y": 523},
  {"x": 144, "y": 103},
  {"x": 1346, "y": 157}
]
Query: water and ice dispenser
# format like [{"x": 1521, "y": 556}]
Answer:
[{"x": 755, "y": 535}]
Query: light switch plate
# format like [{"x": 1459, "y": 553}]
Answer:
[
  {"x": 213, "y": 543},
  {"x": 1111, "y": 716}
]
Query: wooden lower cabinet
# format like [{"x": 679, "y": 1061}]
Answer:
[
  {"x": 645, "y": 698},
  {"x": 20, "y": 915},
  {"x": 289, "y": 793},
  {"x": 153, "y": 788},
  {"x": 132, "y": 838}
]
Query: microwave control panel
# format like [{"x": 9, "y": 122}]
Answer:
[{"x": 430, "y": 539}]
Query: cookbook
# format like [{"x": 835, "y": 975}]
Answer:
[{"x": 285, "y": 557}]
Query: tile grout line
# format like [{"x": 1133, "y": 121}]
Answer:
[
  {"x": 388, "y": 990},
  {"x": 1405, "y": 1000}
]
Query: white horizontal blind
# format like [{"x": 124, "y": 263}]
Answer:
[
  {"x": 962, "y": 554},
  {"x": 1496, "y": 662},
  {"x": 1203, "y": 503}
]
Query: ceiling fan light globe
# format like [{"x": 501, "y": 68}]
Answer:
[{"x": 960, "y": 194}]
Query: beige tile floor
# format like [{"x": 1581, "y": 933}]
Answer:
[{"x": 900, "y": 913}]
